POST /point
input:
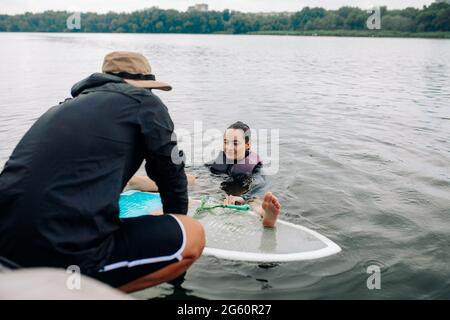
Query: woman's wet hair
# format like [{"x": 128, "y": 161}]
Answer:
[{"x": 239, "y": 125}]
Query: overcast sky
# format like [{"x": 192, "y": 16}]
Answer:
[{"x": 19, "y": 6}]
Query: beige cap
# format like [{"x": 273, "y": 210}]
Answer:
[{"x": 134, "y": 68}]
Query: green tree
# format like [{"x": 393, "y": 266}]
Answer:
[
  {"x": 435, "y": 17},
  {"x": 396, "y": 23}
]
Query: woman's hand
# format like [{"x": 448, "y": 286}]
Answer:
[{"x": 233, "y": 200}]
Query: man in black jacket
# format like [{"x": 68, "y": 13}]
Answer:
[{"x": 60, "y": 188}]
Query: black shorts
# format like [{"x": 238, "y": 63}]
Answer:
[{"x": 142, "y": 246}]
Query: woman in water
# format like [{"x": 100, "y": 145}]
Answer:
[{"x": 242, "y": 167}]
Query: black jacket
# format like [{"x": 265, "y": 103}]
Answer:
[{"x": 60, "y": 188}]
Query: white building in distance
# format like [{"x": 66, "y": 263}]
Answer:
[{"x": 198, "y": 7}]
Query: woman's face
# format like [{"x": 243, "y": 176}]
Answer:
[{"x": 234, "y": 145}]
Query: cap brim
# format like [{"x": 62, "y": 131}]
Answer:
[{"x": 150, "y": 84}]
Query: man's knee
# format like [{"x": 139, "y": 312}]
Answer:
[{"x": 195, "y": 237}]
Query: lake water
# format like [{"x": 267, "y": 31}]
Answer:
[{"x": 364, "y": 127}]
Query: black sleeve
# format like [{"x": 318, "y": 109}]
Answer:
[{"x": 160, "y": 144}]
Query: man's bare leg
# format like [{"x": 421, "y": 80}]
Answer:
[
  {"x": 144, "y": 183},
  {"x": 141, "y": 183},
  {"x": 195, "y": 242}
]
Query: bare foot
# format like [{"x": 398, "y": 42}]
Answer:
[{"x": 271, "y": 207}]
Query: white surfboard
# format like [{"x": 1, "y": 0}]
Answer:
[{"x": 239, "y": 235}]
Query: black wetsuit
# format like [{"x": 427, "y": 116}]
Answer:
[
  {"x": 248, "y": 182},
  {"x": 60, "y": 188}
]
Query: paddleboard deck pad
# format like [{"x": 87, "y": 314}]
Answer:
[{"x": 239, "y": 235}]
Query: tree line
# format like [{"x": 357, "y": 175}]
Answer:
[{"x": 432, "y": 18}]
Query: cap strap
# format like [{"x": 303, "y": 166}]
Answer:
[{"x": 132, "y": 76}]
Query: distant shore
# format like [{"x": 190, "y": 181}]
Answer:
[
  {"x": 431, "y": 21},
  {"x": 312, "y": 33},
  {"x": 358, "y": 33}
]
